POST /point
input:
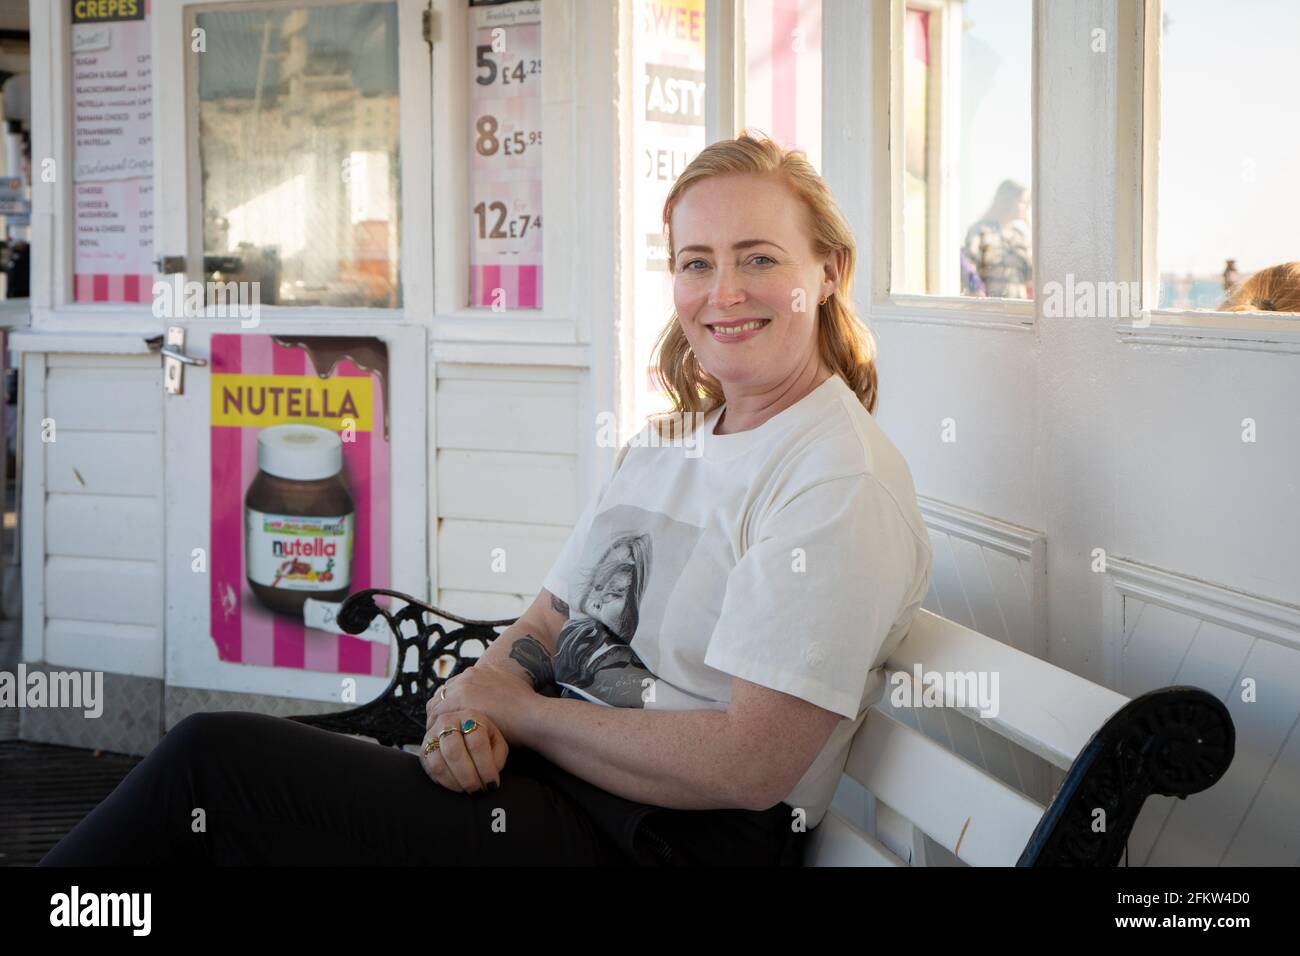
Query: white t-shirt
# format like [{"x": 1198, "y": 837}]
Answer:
[{"x": 791, "y": 555}]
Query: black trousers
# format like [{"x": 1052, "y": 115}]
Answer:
[{"x": 236, "y": 788}]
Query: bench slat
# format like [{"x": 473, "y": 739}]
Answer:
[
  {"x": 837, "y": 842},
  {"x": 1043, "y": 708},
  {"x": 973, "y": 815}
]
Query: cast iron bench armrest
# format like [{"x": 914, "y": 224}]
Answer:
[
  {"x": 1174, "y": 741},
  {"x": 396, "y": 717}
]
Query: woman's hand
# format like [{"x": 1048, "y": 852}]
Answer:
[
  {"x": 464, "y": 762},
  {"x": 503, "y": 691}
]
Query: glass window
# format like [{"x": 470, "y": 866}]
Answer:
[
  {"x": 782, "y": 89},
  {"x": 505, "y": 170},
  {"x": 667, "y": 133},
  {"x": 298, "y": 139},
  {"x": 962, "y": 177},
  {"x": 1226, "y": 230}
]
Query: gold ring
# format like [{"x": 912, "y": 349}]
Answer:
[
  {"x": 468, "y": 727},
  {"x": 443, "y": 691}
]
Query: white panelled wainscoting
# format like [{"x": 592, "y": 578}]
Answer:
[{"x": 1166, "y": 628}]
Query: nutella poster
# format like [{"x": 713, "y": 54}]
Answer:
[{"x": 300, "y": 498}]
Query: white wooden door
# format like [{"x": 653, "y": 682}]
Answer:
[{"x": 286, "y": 207}]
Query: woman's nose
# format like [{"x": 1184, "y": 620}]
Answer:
[{"x": 726, "y": 292}]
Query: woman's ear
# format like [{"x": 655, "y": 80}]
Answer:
[{"x": 832, "y": 269}]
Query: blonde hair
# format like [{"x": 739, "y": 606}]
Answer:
[
  {"x": 846, "y": 345},
  {"x": 1275, "y": 289}
]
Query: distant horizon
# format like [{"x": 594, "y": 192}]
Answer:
[{"x": 1228, "y": 148}]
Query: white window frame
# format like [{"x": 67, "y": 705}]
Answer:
[
  {"x": 724, "y": 68},
  {"x": 124, "y": 325},
  {"x": 886, "y": 305},
  {"x": 562, "y": 320},
  {"x": 942, "y": 145},
  {"x": 1254, "y": 331}
]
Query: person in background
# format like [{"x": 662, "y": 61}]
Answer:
[
  {"x": 998, "y": 245},
  {"x": 1230, "y": 276},
  {"x": 1275, "y": 289},
  {"x": 971, "y": 283}
]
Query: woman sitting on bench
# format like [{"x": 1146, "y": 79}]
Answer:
[{"x": 685, "y": 687}]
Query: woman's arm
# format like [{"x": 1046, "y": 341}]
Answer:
[
  {"x": 748, "y": 756},
  {"x": 530, "y": 642}
]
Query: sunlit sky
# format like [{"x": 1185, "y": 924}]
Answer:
[{"x": 1230, "y": 126}]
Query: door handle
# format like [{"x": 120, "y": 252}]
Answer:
[
  {"x": 179, "y": 356},
  {"x": 174, "y": 358}
]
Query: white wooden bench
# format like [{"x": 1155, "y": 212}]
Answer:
[
  {"x": 1115, "y": 752},
  {"x": 972, "y": 814}
]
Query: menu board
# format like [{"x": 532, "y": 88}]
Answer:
[
  {"x": 112, "y": 151},
  {"x": 505, "y": 170}
]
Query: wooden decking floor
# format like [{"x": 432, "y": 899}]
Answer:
[{"x": 45, "y": 790}]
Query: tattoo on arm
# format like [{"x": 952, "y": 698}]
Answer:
[
  {"x": 533, "y": 656},
  {"x": 558, "y": 605}
]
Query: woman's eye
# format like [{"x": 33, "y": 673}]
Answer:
[
  {"x": 687, "y": 267},
  {"x": 768, "y": 258}
]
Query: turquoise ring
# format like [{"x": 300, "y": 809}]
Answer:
[{"x": 469, "y": 726}]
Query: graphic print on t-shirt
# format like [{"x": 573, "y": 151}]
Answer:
[{"x": 631, "y": 561}]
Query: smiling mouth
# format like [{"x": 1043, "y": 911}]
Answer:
[{"x": 735, "y": 328}]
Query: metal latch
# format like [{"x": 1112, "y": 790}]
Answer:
[
  {"x": 169, "y": 265},
  {"x": 174, "y": 358}
]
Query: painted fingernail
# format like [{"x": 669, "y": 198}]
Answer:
[{"x": 492, "y": 785}]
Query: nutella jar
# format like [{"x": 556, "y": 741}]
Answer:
[{"x": 298, "y": 519}]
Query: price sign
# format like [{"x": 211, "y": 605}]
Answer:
[
  {"x": 112, "y": 152},
  {"x": 505, "y": 195}
]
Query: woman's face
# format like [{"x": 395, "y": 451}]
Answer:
[
  {"x": 1022, "y": 208},
  {"x": 606, "y": 599},
  {"x": 744, "y": 253}
]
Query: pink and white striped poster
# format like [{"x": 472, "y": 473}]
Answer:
[
  {"x": 112, "y": 152},
  {"x": 505, "y": 174},
  {"x": 335, "y": 384}
]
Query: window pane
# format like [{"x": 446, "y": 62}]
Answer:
[
  {"x": 667, "y": 133},
  {"x": 505, "y": 167},
  {"x": 966, "y": 154},
  {"x": 1229, "y": 144},
  {"x": 298, "y": 137},
  {"x": 783, "y": 73}
]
